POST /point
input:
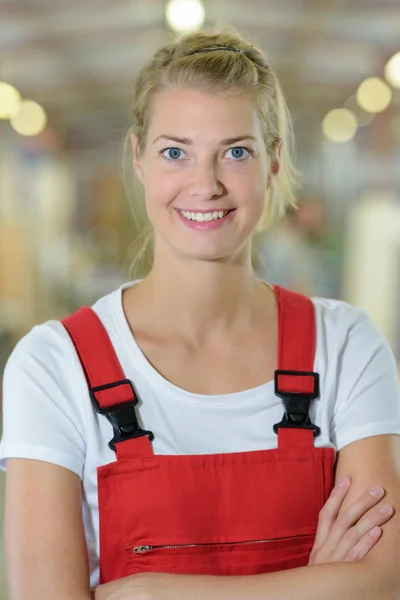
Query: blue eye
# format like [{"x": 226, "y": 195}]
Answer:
[
  {"x": 171, "y": 153},
  {"x": 238, "y": 152}
]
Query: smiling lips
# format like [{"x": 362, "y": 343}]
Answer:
[
  {"x": 204, "y": 216},
  {"x": 204, "y": 219}
]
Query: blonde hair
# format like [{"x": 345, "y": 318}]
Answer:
[{"x": 184, "y": 63}]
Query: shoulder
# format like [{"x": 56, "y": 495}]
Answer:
[
  {"x": 353, "y": 352},
  {"x": 46, "y": 405},
  {"x": 351, "y": 346},
  {"x": 46, "y": 358},
  {"x": 49, "y": 343},
  {"x": 359, "y": 373},
  {"x": 338, "y": 312},
  {"x": 340, "y": 324},
  {"x": 45, "y": 344}
]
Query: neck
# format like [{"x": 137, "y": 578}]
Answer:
[{"x": 202, "y": 299}]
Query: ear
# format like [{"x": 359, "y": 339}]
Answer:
[
  {"x": 137, "y": 162},
  {"x": 275, "y": 163}
]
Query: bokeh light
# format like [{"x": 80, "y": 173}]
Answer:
[
  {"x": 30, "y": 119},
  {"x": 392, "y": 71},
  {"x": 182, "y": 15},
  {"x": 340, "y": 125},
  {"x": 374, "y": 95},
  {"x": 10, "y": 100}
]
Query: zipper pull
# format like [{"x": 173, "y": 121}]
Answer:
[{"x": 142, "y": 549}]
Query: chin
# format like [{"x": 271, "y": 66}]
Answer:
[
  {"x": 228, "y": 249},
  {"x": 226, "y": 255}
]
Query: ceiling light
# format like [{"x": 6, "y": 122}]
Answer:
[
  {"x": 30, "y": 119},
  {"x": 374, "y": 95},
  {"x": 10, "y": 100},
  {"x": 392, "y": 71},
  {"x": 184, "y": 15},
  {"x": 340, "y": 125}
]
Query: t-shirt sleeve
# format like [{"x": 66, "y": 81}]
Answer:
[
  {"x": 43, "y": 400},
  {"x": 367, "y": 395}
]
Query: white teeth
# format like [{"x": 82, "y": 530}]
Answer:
[{"x": 211, "y": 216}]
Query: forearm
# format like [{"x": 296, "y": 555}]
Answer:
[
  {"x": 347, "y": 581},
  {"x": 120, "y": 589}
]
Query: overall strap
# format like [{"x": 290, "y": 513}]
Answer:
[
  {"x": 113, "y": 395},
  {"x": 110, "y": 392},
  {"x": 295, "y": 380}
]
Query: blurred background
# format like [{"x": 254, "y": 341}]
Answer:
[{"x": 66, "y": 74}]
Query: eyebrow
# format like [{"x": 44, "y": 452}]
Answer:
[{"x": 225, "y": 142}]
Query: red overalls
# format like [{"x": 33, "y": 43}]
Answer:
[{"x": 239, "y": 513}]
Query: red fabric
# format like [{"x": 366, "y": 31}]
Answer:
[
  {"x": 229, "y": 514},
  {"x": 97, "y": 356}
]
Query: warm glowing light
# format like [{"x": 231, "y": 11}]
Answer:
[
  {"x": 374, "y": 95},
  {"x": 10, "y": 100},
  {"x": 392, "y": 71},
  {"x": 182, "y": 15},
  {"x": 340, "y": 125},
  {"x": 30, "y": 119}
]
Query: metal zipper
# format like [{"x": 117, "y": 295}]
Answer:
[{"x": 145, "y": 549}]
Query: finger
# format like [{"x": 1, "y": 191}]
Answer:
[
  {"x": 361, "y": 549},
  {"x": 357, "y": 532},
  {"x": 330, "y": 511},
  {"x": 351, "y": 515}
]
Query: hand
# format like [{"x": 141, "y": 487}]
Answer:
[{"x": 350, "y": 535}]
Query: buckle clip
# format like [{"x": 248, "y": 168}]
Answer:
[
  {"x": 297, "y": 404},
  {"x": 121, "y": 416}
]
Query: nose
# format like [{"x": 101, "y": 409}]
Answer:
[{"x": 204, "y": 183}]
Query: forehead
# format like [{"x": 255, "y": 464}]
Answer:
[{"x": 190, "y": 112}]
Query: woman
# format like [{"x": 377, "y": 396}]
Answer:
[{"x": 174, "y": 386}]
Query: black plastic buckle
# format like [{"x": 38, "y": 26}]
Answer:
[
  {"x": 122, "y": 416},
  {"x": 297, "y": 404}
]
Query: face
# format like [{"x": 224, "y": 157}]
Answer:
[{"x": 205, "y": 170}]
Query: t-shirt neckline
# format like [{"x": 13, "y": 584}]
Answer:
[{"x": 150, "y": 373}]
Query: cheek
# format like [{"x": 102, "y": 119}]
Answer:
[
  {"x": 251, "y": 190},
  {"x": 161, "y": 187}
]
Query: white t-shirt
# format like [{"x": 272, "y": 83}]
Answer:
[{"x": 48, "y": 416}]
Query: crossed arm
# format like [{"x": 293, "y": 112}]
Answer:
[
  {"x": 46, "y": 551},
  {"x": 368, "y": 462}
]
